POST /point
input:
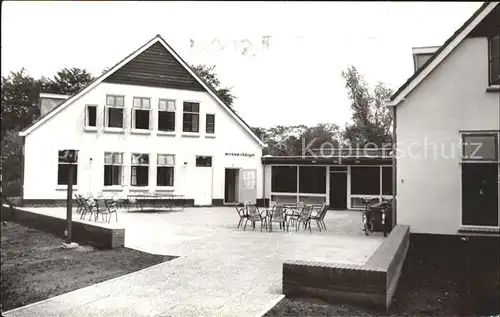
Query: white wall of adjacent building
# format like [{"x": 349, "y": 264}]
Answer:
[
  {"x": 453, "y": 98},
  {"x": 66, "y": 130}
]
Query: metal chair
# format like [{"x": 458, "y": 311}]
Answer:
[
  {"x": 277, "y": 214},
  {"x": 240, "y": 209},
  {"x": 305, "y": 218},
  {"x": 320, "y": 216},
  {"x": 254, "y": 215}
]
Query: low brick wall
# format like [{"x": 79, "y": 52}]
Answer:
[
  {"x": 372, "y": 284},
  {"x": 100, "y": 237}
]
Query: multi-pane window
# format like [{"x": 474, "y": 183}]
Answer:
[
  {"x": 210, "y": 124},
  {"x": 90, "y": 115},
  {"x": 63, "y": 168},
  {"x": 191, "y": 117},
  {"x": 165, "y": 170},
  {"x": 113, "y": 169},
  {"x": 166, "y": 115},
  {"x": 140, "y": 113},
  {"x": 139, "y": 172},
  {"x": 494, "y": 60},
  {"x": 114, "y": 111}
]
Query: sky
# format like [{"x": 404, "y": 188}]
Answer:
[{"x": 283, "y": 60}]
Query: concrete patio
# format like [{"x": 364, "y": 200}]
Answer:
[{"x": 221, "y": 271}]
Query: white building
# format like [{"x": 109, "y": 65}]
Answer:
[
  {"x": 447, "y": 125},
  {"x": 149, "y": 124}
]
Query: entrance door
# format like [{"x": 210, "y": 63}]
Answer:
[
  {"x": 480, "y": 194},
  {"x": 338, "y": 190},
  {"x": 248, "y": 185},
  {"x": 202, "y": 181},
  {"x": 231, "y": 186}
]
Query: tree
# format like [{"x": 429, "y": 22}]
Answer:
[
  {"x": 67, "y": 81},
  {"x": 209, "y": 76},
  {"x": 20, "y": 93},
  {"x": 297, "y": 140},
  {"x": 11, "y": 163},
  {"x": 371, "y": 119}
]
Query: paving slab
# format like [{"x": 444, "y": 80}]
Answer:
[{"x": 221, "y": 271}]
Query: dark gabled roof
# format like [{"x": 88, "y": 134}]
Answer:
[
  {"x": 111, "y": 71},
  {"x": 441, "y": 48}
]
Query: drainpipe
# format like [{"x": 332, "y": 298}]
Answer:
[
  {"x": 263, "y": 185},
  {"x": 394, "y": 168}
]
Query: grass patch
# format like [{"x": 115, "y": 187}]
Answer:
[{"x": 34, "y": 267}]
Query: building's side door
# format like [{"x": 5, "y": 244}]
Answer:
[
  {"x": 248, "y": 185},
  {"x": 480, "y": 194},
  {"x": 203, "y": 181},
  {"x": 338, "y": 190}
]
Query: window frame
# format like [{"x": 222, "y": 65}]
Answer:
[
  {"x": 75, "y": 169},
  {"x": 191, "y": 113},
  {"x": 167, "y": 111},
  {"x": 87, "y": 116},
  {"x": 132, "y": 165},
  {"x": 212, "y": 124},
  {"x": 141, "y": 108},
  {"x": 113, "y": 163},
  {"x": 491, "y": 81},
  {"x": 160, "y": 165},
  {"x": 114, "y": 106}
]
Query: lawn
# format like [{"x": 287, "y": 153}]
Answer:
[
  {"x": 34, "y": 267},
  {"x": 436, "y": 281}
]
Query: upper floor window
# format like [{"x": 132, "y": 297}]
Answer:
[
  {"x": 166, "y": 115},
  {"x": 90, "y": 115},
  {"x": 113, "y": 111},
  {"x": 494, "y": 60},
  {"x": 140, "y": 113},
  {"x": 191, "y": 117},
  {"x": 139, "y": 172},
  {"x": 210, "y": 124}
]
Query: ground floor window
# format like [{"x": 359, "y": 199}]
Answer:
[
  {"x": 204, "y": 161},
  {"x": 113, "y": 169},
  {"x": 165, "y": 170},
  {"x": 64, "y": 167},
  {"x": 365, "y": 180},
  {"x": 284, "y": 179},
  {"x": 139, "y": 172},
  {"x": 312, "y": 179}
]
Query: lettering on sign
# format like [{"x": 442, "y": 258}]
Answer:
[{"x": 240, "y": 154}]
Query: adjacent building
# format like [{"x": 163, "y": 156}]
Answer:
[
  {"x": 447, "y": 126},
  {"x": 147, "y": 125}
]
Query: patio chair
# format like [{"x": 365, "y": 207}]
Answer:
[
  {"x": 87, "y": 208},
  {"x": 240, "y": 209},
  {"x": 254, "y": 215},
  {"x": 110, "y": 209},
  {"x": 277, "y": 214},
  {"x": 319, "y": 217},
  {"x": 305, "y": 218},
  {"x": 293, "y": 213},
  {"x": 79, "y": 205}
]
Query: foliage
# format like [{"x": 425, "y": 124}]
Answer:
[
  {"x": 11, "y": 163},
  {"x": 67, "y": 81},
  {"x": 296, "y": 140},
  {"x": 371, "y": 118},
  {"x": 209, "y": 76}
]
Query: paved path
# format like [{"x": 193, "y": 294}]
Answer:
[{"x": 222, "y": 271}]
